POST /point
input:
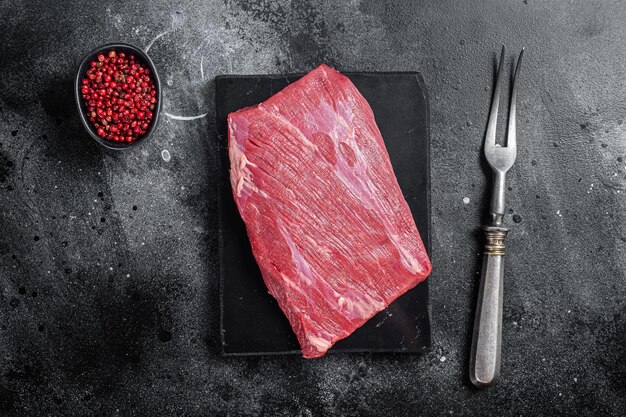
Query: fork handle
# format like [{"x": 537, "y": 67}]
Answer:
[{"x": 487, "y": 336}]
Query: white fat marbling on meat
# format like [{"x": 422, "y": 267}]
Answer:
[
  {"x": 240, "y": 169},
  {"x": 273, "y": 111},
  {"x": 358, "y": 305},
  {"x": 352, "y": 304},
  {"x": 320, "y": 344},
  {"x": 306, "y": 273},
  {"x": 358, "y": 182}
]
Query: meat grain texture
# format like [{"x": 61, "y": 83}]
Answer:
[{"x": 329, "y": 227}]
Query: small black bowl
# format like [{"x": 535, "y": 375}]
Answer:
[{"x": 143, "y": 59}]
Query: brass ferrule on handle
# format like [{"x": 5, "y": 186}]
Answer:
[{"x": 494, "y": 244}]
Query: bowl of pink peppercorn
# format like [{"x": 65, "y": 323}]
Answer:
[{"x": 118, "y": 94}]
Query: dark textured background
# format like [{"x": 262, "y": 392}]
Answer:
[{"x": 108, "y": 262}]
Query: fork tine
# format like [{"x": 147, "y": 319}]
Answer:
[
  {"x": 490, "y": 137},
  {"x": 511, "y": 138}
]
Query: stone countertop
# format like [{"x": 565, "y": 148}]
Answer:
[{"x": 108, "y": 261}]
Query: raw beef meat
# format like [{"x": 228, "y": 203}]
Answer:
[{"x": 329, "y": 228}]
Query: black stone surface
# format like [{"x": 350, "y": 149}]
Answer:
[
  {"x": 108, "y": 261},
  {"x": 251, "y": 321}
]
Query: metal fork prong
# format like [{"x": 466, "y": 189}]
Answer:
[
  {"x": 511, "y": 138},
  {"x": 490, "y": 137}
]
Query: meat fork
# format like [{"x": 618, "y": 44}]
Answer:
[{"x": 486, "y": 339}]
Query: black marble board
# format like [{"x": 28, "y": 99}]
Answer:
[{"x": 251, "y": 321}]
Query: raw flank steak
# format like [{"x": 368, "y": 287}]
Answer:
[{"x": 330, "y": 230}]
